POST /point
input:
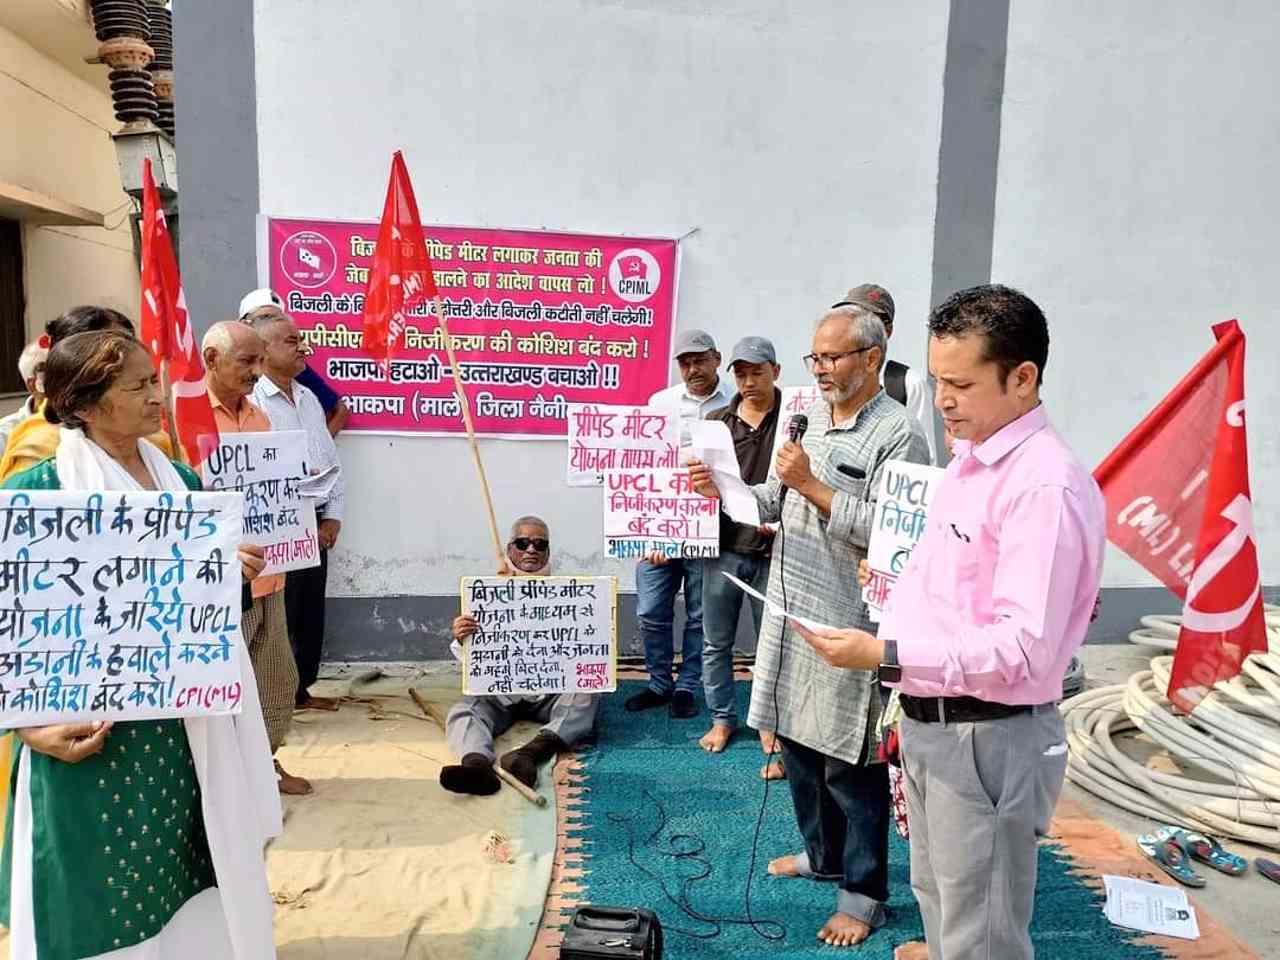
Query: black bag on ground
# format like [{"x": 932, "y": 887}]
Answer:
[{"x": 612, "y": 933}]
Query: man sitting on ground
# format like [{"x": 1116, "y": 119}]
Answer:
[{"x": 474, "y": 722}]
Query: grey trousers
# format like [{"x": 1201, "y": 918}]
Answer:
[
  {"x": 474, "y": 722},
  {"x": 979, "y": 795}
]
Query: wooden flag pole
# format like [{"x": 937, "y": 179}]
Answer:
[
  {"x": 471, "y": 434},
  {"x": 171, "y": 419}
]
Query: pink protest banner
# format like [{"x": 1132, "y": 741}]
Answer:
[{"x": 539, "y": 320}]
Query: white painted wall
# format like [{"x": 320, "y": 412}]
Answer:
[
  {"x": 1138, "y": 198},
  {"x": 802, "y": 143}
]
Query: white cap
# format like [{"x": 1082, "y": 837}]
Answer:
[{"x": 257, "y": 299}]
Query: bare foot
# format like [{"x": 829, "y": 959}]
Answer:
[
  {"x": 717, "y": 738},
  {"x": 768, "y": 741},
  {"x": 773, "y": 770},
  {"x": 843, "y": 930},
  {"x": 318, "y": 703},
  {"x": 788, "y": 866},
  {"x": 915, "y": 950},
  {"x": 290, "y": 785}
]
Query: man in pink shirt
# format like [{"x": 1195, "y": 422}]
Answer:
[{"x": 980, "y": 628}]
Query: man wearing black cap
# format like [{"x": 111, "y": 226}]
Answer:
[
  {"x": 658, "y": 577},
  {"x": 752, "y": 418},
  {"x": 903, "y": 383}
]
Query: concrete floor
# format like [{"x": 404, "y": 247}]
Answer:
[{"x": 1249, "y": 906}]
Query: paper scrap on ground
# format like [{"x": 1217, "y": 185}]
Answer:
[
  {"x": 1151, "y": 907},
  {"x": 713, "y": 445},
  {"x": 773, "y": 608}
]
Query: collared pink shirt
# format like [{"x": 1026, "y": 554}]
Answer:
[{"x": 998, "y": 594}]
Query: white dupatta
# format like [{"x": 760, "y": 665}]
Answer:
[{"x": 238, "y": 787}]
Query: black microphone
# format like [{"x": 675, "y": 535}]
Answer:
[{"x": 795, "y": 433}]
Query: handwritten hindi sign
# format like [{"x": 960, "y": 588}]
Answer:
[
  {"x": 540, "y": 635},
  {"x": 538, "y": 320},
  {"x": 603, "y": 438},
  {"x": 118, "y": 606},
  {"x": 657, "y": 511},
  {"x": 794, "y": 400},
  {"x": 902, "y": 508},
  {"x": 269, "y": 469}
]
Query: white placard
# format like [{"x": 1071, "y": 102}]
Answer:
[
  {"x": 656, "y": 511},
  {"x": 118, "y": 605},
  {"x": 604, "y": 438},
  {"x": 540, "y": 635},
  {"x": 902, "y": 508},
  {"x": 270, "y": 469},
  {"x": 794, "y": 400},
  {"x": 1151, "y": 907}
]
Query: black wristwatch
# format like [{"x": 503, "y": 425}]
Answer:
[{"x": 889, "y": 670}]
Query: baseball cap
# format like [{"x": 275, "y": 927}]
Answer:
[
  {"x": 257, "y": 299},
  {"x": 753, "y": 350},
  {"x": 693, "y": 341},
  {"x": 870, "y": 296}
]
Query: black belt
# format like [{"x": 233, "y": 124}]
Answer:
[{"x": 957, "y": 709}]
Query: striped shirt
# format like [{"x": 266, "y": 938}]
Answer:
[{"x": 815, "y": 575}]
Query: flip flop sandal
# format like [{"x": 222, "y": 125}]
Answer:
[
  {"x": 1209, "y": 851},
  {"x": 1268, "y": 868},
  {"x": 1167, "y": 854}
]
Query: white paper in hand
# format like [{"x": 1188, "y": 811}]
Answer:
[
  {"x": 713, "y": 445},
  {"x": 773, "y": 608}
]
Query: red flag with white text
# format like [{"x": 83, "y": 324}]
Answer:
[
  {"x": 400, "y": 275},
  {"x": 1178, "y": 502},
  {"x": 166, "y": 327}
]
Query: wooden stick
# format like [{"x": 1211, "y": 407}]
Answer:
[
  {"x": 170, "y": 414},
  {"x": 471, "y": 433},
  {"x": 537, "y": 799}
]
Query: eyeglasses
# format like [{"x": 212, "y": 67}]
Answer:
[
  {"x": 827, "y": 361},
  {"x": 524, "y": 543}
]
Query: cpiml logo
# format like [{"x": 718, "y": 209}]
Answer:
[
  {"x": 308, "y": 259},
  {"x": 634, "y": 275}
]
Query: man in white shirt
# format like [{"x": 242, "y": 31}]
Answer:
[
  {"x": 658, "y": 578},
  {"x": 907, "y": 385},
  {"x": 32, "y": 357},
  {"x": 292, "y": 406}
]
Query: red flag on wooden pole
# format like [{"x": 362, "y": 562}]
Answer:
[
  {"x": 399, "y": 278},
  {"x": 401, "y": 274},
  {"x": 1178, "y": 502},
  {"x": 167, "y": 330}
]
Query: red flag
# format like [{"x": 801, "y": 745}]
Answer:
[
  {"x": 401, "y": 274},
  {"x": 166, "y": 328},
  {"x": 1177, "y": 492}
]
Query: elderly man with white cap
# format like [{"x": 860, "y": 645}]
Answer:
[
  {"x": 291, "y": 405},
  {"x": 28, "y": 364},
  {"x": 265, "y": 299},
  {"x": 658, "y": 578}
]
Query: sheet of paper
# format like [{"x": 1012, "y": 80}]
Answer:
[
  {"x": 319, "y": 486},
  {"x": 776, "y": 609},
  {"x": 1152, "y": 907},
  {"x": 713, "y": 445}
]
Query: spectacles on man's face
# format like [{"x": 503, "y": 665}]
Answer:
[
  {"x": 827, "y": 361},
  {"x": 524, "y": 543}
]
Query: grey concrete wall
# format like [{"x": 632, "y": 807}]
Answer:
[{"x": 215, "y": 97}]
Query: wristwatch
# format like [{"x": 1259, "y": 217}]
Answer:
[{"x": 890, "y": 671}]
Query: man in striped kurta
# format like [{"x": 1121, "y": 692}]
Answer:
[
  {"x": 233, "y": 360},
  {"x": 826, "y": 718}
]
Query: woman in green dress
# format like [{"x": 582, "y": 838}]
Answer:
[{"x": 134, "y": 840}]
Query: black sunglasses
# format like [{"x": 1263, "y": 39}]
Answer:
[{"x": 524, "y": 543}]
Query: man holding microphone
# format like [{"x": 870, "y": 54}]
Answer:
[{"x": 979, "y": 630}]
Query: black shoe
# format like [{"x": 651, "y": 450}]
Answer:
[
  {"x": 523, "y": 762},
  {"x": 683, "y": 706},
  {"x": 646, "y": 699},
  {"x": 474, "y": 776}
]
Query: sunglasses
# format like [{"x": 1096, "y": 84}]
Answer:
[{"x": 524, "y": 543}]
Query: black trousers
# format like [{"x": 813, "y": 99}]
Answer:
[{"x": 304, "y": 609}]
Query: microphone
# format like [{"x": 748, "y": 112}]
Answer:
[{"x": 795, "y": 433}]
